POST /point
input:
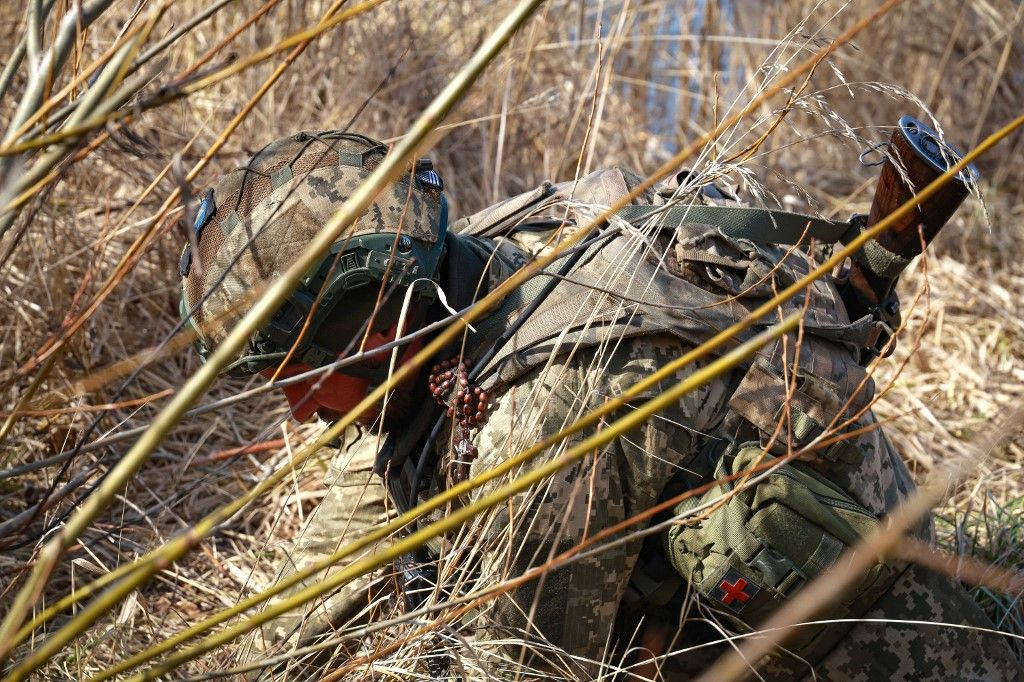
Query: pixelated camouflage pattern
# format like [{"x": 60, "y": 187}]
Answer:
[
  {"x": 576, "y": 608},
  {"x": 932, "y": 649},
  {"x": 355, "y": 502},
  {"x": 574, "y": 616},
  {"x": 268, "y": 213}
]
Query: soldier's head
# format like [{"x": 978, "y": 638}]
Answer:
[{"x": 256, "y": 221}]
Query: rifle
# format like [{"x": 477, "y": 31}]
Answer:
[{"x": 914, "y": 156}]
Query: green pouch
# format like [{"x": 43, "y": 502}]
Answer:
[{"x": 751, "y": 554}]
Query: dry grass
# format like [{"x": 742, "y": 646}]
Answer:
[{"x": 531, "y": 118}]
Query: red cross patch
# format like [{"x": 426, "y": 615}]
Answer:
[{"x": 734, "y": 590}]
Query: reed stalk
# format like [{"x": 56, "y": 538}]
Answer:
[{"x": 276, "y": 293}]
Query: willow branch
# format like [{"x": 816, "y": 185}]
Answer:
[{"x": 392, "y": 165}]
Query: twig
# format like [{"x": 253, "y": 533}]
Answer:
[
  {"x": 963, "y": 568},
  {"x": 249, "y": 449},
  {"x": 394, "y": 163}
]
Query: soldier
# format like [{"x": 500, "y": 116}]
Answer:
[{"x": 641, "y": 292}]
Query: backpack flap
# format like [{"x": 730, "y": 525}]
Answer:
[{"x": 789, "y": 412}]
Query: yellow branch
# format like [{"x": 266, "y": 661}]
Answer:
[
  {"x": 179, "y": 546},
  {"x": 454, "y": 520}
]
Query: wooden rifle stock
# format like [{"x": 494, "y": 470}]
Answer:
[{"x": 867, "y": 286}]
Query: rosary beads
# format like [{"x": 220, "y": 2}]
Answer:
[{"x": 449, "y": 384}]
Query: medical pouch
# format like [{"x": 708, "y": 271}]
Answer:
[{"x": 751, "y": 542}]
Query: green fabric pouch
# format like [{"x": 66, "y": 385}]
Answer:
[{"x": 749, "y": 554}]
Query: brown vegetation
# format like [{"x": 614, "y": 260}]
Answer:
[{"x": 587, "y": 84}]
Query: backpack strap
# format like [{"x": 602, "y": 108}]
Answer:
[{"x": 756, "y": 224}]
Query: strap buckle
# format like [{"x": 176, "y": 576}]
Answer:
[
  {"x": 886, "y": 320},
  {"x": 878, "y": 337},
  {"x": 857, "y": 223}
]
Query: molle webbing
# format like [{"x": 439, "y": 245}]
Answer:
[{"x": 762, "y": 535}]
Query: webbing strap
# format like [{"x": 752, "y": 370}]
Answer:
[
  {"x": 881, "y": 260},
  {"x": 756, "y": 224}
]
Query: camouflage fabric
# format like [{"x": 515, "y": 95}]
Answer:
[
  {"x": 354, "y": 503},
  {"x": 569, "y": 615},
  {"x": 268, "y": 211},
  {"x": 577, "y": 621},
  {"x": 572, "y": 610},
  {"x": 928, "y": 645}
]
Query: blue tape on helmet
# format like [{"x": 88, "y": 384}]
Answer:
[
  {"x": 430, "y": 178},
  {"x": 207, "y": 208}
]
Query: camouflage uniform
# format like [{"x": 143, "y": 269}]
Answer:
[
  {"x": 573, "y": 617},
  {"x": 355, "y": 501}
]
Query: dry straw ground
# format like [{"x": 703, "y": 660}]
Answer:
[{"x": 604, "y": 82}]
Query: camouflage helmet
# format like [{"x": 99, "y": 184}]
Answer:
[{"x": 257, "y": 220}]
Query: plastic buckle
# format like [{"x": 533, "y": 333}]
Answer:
[
  {"x": 878, "y": 336},
  {"x": 791, "y": 583},
  {"x": 886, "y": 319},
  {"x": 777, "y": 569},
  {"x": 857, "y": 223}
]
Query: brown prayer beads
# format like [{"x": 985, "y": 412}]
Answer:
[
  {"x": 467, "y": 404},
  {"x": 450, "y": 386}
]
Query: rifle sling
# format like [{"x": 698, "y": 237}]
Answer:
[
  {"x": 756, "y": 224},
  {"x": 773, "y": 227}
]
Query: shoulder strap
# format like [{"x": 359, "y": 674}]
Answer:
[{"x": 756, "y": 224}]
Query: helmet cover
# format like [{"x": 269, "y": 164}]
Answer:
[{"x": 255, "y": 222}]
